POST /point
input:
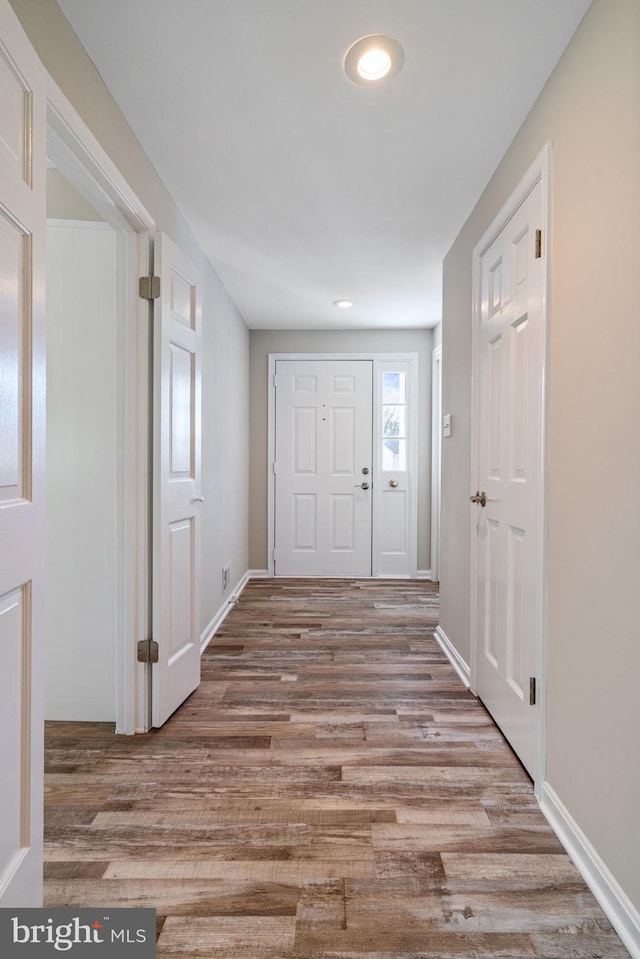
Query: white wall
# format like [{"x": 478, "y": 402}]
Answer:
[
  {"x": 225, "y": 448},
  {"x": 590, "y": 110},
  {"x": 264, "y": 342},
  {"x": 81, "y": 473},
  {"x": 63, "y": 200}
]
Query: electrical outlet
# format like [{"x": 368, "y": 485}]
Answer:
[{"x": 226, "y": 577}]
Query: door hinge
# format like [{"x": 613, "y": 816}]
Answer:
[
  {"x": 532, "y": 691},
  {"x": 538, "y": 244},
  {"x": 149, "y": 287},
  {"x": 147, "y": 651}
]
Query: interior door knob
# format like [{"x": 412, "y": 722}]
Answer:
[
  {"x": 393, "y": 482},
  {"x": 480, "y": 497}
]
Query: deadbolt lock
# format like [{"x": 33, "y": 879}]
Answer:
[{"x": 365, "y": 470}]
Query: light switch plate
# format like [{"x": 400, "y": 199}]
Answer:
[{"x": 446, "y": 425}]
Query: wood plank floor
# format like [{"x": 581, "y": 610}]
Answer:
[{"x": 330, "y": 790}]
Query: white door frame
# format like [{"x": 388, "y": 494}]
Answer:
[
  {"x": 80, "y": 157},
  {"x": 436, "y": 453},
  {"x": 539, "y": 171},
  {"x": 376, "y": 359}
]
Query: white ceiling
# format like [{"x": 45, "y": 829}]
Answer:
[{"x": 301, "y": 186}]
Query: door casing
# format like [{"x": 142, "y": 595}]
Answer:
[
  {"x": 80, "y": 157},
  {"x": 539, "y": 171},
  {"x": 377, "y": 359}
]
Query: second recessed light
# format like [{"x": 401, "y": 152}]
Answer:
[{"x": 344, "y": 304}]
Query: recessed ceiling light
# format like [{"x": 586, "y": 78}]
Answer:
[
  {"x": 374, "y": 64},
  {"x": 344, "y": 304},
  {"x": 374, "y": 59}
]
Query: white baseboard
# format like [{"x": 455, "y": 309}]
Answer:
[
  {"x": 618, "y": 908},
  {"x": 223, "y": 612},
  {"x": 421, "y": 574},
  {"x": 454, "y": 657}
]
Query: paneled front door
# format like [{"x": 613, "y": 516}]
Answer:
[{"x": 323, "y": 467}]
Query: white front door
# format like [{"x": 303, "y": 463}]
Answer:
[
  {"x": 22, "y": 447},
  {"x": 323, "y": 466},
  {"x": 509, "y": 424},
  {"x": 176, "y": 483}
]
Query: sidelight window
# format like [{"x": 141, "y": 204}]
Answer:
[{"x": 394, "y": 421}]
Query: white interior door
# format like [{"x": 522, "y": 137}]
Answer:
[
  {"x": 22, "y": 441},
  {"x": 176, "y": 486},
  {"x": 510, "y": 428},
  {"x": 322, "y": 467}
]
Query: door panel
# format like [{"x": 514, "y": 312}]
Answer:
[
  {"x": 343, "y": 532},
  {"x": 176, "y": 487},
  {"x": 15, "y": 333},
  {"x": 343, "y": 441},
  {"x": 393, "y": 535},
  {"x": 509, "y": 424},
  {"x": 323, "y": 441},
  {"x": 182, "y": 393},
  {"x": 16, "y": 96},
  {"x": 22, "y": 435},
  {"x": 516, "y": 626},
  {"x": 15, "y": 643}
]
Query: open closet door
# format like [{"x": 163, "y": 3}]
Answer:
[
  {"x": 22, "y": 446},
  {"x": 176, "y": 480},
  {"x": 508, "y": 429}
]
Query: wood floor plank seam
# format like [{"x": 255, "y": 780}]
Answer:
[{"x": 330, "y": 791}]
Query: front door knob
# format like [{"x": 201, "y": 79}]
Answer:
[
  {"x": 361, "y": 486},
  {"x": 480, "y": 497}
]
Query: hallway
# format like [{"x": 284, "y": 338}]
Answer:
[{"x": 331, "y": 789}]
